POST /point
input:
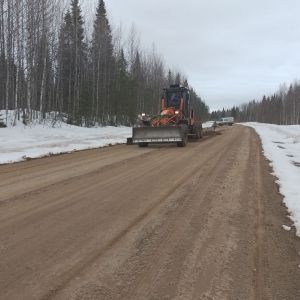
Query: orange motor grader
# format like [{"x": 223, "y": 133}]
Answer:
[{"x": 174, "y": 124}]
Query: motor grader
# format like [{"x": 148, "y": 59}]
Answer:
[{"x": 174, "y": 124}]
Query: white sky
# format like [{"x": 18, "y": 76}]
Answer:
[{"x": 232, "y": 51}]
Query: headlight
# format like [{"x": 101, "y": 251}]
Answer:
[
  {"x": 177, "y": 112},
  {"x": 143, "y": 115}
]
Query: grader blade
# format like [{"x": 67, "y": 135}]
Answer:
[{"x": 163, "y": 134}]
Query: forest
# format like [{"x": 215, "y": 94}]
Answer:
[
  {"x": 282, "y": 108},
  {"x": 51, "y": 61}
]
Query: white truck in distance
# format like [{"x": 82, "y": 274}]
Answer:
[{"x": 226, "y": 121}]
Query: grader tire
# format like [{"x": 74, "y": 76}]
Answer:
[{"x": 185, "y": 137}]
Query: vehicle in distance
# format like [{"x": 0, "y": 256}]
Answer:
[{"x": 226, "y": 121}]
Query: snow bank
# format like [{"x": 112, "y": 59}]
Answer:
[
  {"x": 208, "y": 124},
  {"x": 37, "y": 140},
  {"x": 281, "y": 145}
]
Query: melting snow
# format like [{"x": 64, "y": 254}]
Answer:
[
  {"x": 287, "y": 228},
  {"x": 20, "y": 142},
  {"x": 281, "y": 145}
]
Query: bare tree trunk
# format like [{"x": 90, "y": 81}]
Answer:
[
  {"x": 43, "y": 84},
  {"x": 98, "y": 86}
]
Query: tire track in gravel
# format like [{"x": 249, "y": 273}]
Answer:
[{"x": 160, "y": 201}]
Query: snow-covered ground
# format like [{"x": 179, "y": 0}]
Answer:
[
  {"x": 208, "y": 124},
  {"x": 281, "y": 145},
  {"x": 37, "y": 140}
]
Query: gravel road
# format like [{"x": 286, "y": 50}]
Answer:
[{"x": 200, "y": 222}]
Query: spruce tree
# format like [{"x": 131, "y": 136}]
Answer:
[
  {"x": 65, "y": 65},
  {"x": 79, "y": 58},
  {"x": 178, "y": 79},
  {"x": 170, "y": 78},
  {"x": 102, "y": 62},
  {"x": 137, "y": 103},
  {"x": 121, "y": 90}
]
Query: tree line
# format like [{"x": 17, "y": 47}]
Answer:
[
  {"x": 50, "y": 62},
  {"x": 282, "y": 108}
]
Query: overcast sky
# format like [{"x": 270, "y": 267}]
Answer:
[{"x": 232, "y": 51}]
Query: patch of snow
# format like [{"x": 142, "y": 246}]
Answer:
[
  {"x": 281, "y": 145},
  {"x": 287, "y": 228},
  {"x": 208, "y": 124},
  {"x": 20, "y": 142}
]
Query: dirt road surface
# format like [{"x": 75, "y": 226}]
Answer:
[{"x": 201, "y": 222}]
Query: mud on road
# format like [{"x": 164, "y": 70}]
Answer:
[{"x": 201, "y": 222}]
